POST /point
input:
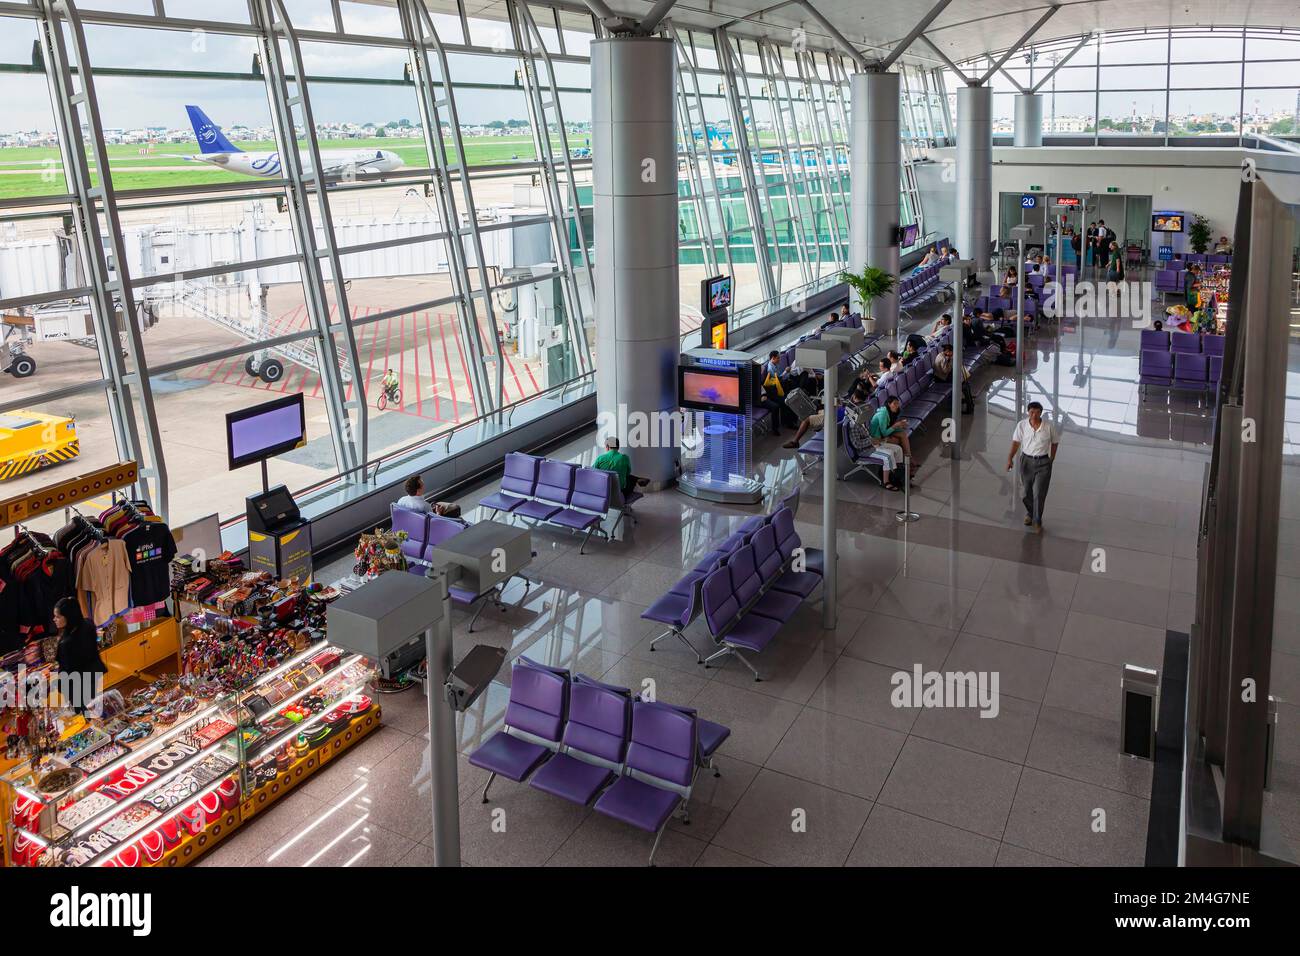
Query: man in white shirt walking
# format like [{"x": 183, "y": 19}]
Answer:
[{"x": 1036, "y": 440}]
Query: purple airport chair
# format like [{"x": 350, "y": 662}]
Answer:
[
  {"x": 1184, "y": 342},
  {"x": 1212, "y": 344},
  {"x": 1155, "y": 367},
  {"x": 552, "y": 493},
  {"x": 517, "y": 483},
  {"x": 1155, "y": 339},
  {"x": 731, "y": 628},
  {"x": 534, "y": 724},
  {"x": 660, "y": 767},
  {"x": 1191, "y": 369},
  {"x": 592, "y": 492},
  {"x": 594, "y": 746},
  {"x": 415, "y": 524}
]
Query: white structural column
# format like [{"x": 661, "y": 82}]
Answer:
[
  {"x": 1029, "y": 119},
  {"x": 634, "y": 173},
  {"x": 975, "y": 174},
  {"x": 874, "y": 173}
]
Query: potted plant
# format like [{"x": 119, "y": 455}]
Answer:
[
  {"x": 1199, "y": 234},
  {"x": 868, "y": 285}
]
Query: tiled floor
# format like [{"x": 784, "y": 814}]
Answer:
[{"x": 821, "y": 768}]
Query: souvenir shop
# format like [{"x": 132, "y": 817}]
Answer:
[
  {"x": 222, "y": 695},
  {"x": 1206, "y": 306}
]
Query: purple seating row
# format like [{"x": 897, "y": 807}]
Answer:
[
  {"x": 1194, "y": 370},
  {"x": 560, "y": 492},
  {"x": 1182, "y": 341},
  {"x": 679, "y": 608},
  {"x": 1204, "y": 258},
  {"x": 1170, "y": 280},
  {"x": 755, "y": 589},
  {"x": 424, "y": 533},
  {"x": 598, "y": 746}
]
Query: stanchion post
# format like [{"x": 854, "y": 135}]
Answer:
[
  {"x": 443, "y": 771},
  {"x": 907, "y": 514}
]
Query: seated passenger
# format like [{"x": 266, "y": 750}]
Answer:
[
  {"x": 813, "y": 423},
  {"x": 884, "y": 428},
  {"x": 617, "y": 462},
  {"x": 860, "y": 435},
  {"x": 943, "y": 364},
  {"x": 414, "y": 499},
  {"x": 943, "y": 322}
]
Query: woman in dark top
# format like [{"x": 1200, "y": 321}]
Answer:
[{"x": 78, "y": 648}]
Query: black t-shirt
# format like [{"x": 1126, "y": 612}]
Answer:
[{"x": 149, "y": 550}]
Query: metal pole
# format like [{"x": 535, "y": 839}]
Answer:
[
  {"x": 830, "y": 461},
  {"x": 907, "y": 514},
  {"x": 444, "y": 785},
  {"x": 958, "y": 367},
  {"x": 1020, "y": 327}
]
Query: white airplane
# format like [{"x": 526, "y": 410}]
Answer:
[{"x": 216, "y": 150}]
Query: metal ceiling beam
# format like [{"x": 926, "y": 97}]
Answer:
[
  {"x": 1010, "y": 51},
  {"x": 655, "y": 16},
  {"x": 613, "y": 22},
  {"x": 849, "y": 49},
  {"x": 943, "y": 56},
  {"x": 1069, "y": 56},
  {"x": 917, "y": 30}
]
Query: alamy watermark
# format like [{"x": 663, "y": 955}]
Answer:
[
  {"x": 1084, "y": 299},
  {"x": 36, "y": 690},
  {"x": 946, "y": 689},
  {"x": 677, "y": 429}
]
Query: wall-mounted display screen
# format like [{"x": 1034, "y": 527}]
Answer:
[
  {"x": 265, "y": 431},
  {"x": 711, "y": 391},
  {"x": 1167, "y": 222},
  {"x": 715, "y": 294},
  {"x": 909, "y": 234}
]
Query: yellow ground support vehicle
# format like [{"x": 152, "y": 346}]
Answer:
[{"x": 32, "y": 440}]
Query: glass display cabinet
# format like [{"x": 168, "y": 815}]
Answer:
[{"x": 173, "y": 773}]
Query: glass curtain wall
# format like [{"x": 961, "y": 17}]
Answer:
[
  {"x": 239, "y": 199},
  {"x": 1168, "y": 84}
]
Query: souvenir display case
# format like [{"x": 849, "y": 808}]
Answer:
[{"x": 183, "y": 764}]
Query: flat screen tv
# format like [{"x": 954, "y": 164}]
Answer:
[
  {"x": 909, "y": 234},
  {"x": 709, "y": 391},
  {"x": 1167, "y": 222},
  {"x": 266, "y": 430},
  {"x": 715, "y": 294}
]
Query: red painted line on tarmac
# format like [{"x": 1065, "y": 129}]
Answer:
[
  {"x": 460, "y": 348},
  {"x": 388, "y": 349},
  {"x": 446, "y": 361},
  {"x": 374, "y": 344},
  {"x": 433, "y": 366},
  {"x": 415, "y": 357},
  {"x": 514, "y": 373},
  {"x": 401, "y": 360}
]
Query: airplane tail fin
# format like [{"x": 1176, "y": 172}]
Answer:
[{"x": 208, "y": 133}]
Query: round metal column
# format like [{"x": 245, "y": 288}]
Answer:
[
  {"x": 975, "y": 174},
  {"x": 874, "y": 177},
  {"x": 634, "y": 174},
  {"x": 1029, "y": 119}
]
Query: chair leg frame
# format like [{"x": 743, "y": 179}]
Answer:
[{"x": 676, "y": 632}]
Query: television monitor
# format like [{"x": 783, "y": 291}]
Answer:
[
  {"x": 909, "y": 234},
  {"x": 266, "y": 430},
  {"x": 709, "y": 391},
  {"x": 715, "y": 294},
  {"x": 1167, "y": 222}
]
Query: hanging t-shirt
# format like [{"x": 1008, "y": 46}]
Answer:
[
  {"x": 103, "y": 580},
  {"x": 150, "y": 548}
]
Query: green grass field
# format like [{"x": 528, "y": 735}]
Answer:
[{"x": 36, "y": 171}]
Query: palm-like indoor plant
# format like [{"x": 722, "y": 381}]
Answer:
[
  {"x": 868, "y": 285},
  {"x": 1199, "y": 234}
]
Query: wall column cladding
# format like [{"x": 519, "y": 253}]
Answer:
[
  {"x": 874, "y": 175},
  {"x": 975, "y": 174},
  {"x": 1029, "y": 119},
  {"x": 634, "y": 174}
]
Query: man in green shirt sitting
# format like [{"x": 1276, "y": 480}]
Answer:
[{"x": 617, "y": 462}]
